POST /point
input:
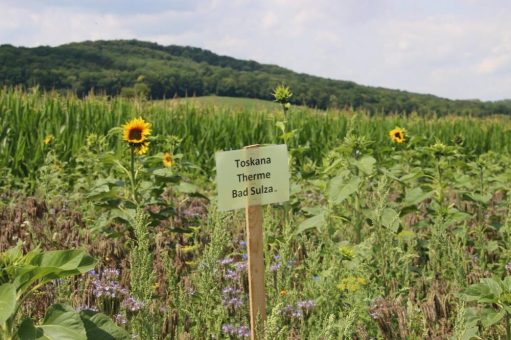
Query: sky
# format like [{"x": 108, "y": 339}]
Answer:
[{"x": 459, "y": 49}]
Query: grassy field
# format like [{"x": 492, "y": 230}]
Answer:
[
  {"x": 385, "y": 236},
  {"x": 227, "y": 103}
]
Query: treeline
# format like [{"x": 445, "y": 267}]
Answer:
[{"x": 135, "y": 68}]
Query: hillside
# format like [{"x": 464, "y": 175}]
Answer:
[{"x": 131, "y": 67}]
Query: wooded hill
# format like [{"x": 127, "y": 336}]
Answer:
[{"x": 131, "y": 67}]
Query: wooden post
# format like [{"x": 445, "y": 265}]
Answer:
[
  {"x": 254, "y": 221},
  {"x": 254, "y": 224}
]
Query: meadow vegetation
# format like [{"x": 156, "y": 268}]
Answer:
[{"x": 397, "y": 227}]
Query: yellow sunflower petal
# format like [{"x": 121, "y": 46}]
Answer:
[
  {"x": 167, "y": 160},
  {"x": 136, "y": 131},
  {"x": 397, "y": 135}
]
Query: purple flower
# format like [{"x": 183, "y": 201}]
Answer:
[
  {"x": 243, "y": 244},
  {"x": 231, "y": 297},
  {"x": 110, "y": 274},
  {"x": 234, "y": 302},
  {"x": 231, "y": 275},
  {"x": 275, "y": 266},
  {"x": 244, "y": 256},
  {"x": 243, "y": 331},
  {"x": 85, "y": 307},
  {"x": 292, "y": 312},
  {"x": 229, "y": 291},
  {"x": 107, "y": 285},
  {"x": 240, "y": 266},
  {"x": 120, "y": 319},
  {"x": 228, "y": 329},
  {"x": 226, "y": 261},
  {"x": 131, "y": 304},
  {"x": 306, "y": 305}
]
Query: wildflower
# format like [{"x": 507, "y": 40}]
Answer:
[
  {"x": 232, "y": 275},
  {"x": 283, "y": 292},
  {"x": 243, "y": 331},
  {"x": 120, "y": 319},
  {"x": 48, "y": 139},
  {"x": 397, "y": 135},
  {"x": 131, "y": 304},
  {"x": 167, "y": 160},
  {"x": 226, "y": 261},
  {"x": 228, "y": 329},
  {"x": 85, "y": 307},
  {"x": 351, "y": 283},
  {"x": 240, "y": 266},
  {"x": 282, "y": 93},
  {"x": 347, "y": 252},
  {"x": 135, "y": 132},
  {"x": 306, "y": 305},
  {"x": 292, "y": 312},
  {"x": 276, "y": 265},
  {"x": 142, "y": 148}
]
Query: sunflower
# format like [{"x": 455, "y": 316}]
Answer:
[
  {"x": 136, "y": 132},
  {"x": 167, "y": 160},
  {"x": 141, "y": 148},
  {"x": 397, "y": 135}
]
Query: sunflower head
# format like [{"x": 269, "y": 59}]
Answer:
[
  {"x": 136, "y": 131},
  {"x": 141, "y": 148},
  {"x": 397, "y": 135},
  {"x": 167, "y": 160},
  {"x": 282, "y": 93}
]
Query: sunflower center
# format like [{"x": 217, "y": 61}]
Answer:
[
  {"x": 397, "y": 135},
  {"x": 135, "y": 134}
]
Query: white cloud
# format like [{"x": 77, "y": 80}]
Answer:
[{"x": 435, "y": 47}]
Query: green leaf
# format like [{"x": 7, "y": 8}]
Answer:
[
  {"x": 490, "y": 317},
  {"x": 415, "y": 196},
  {"x": 317, "y": 222},
  {"x": 484, "y": 199},
  {"x": 365, "y": 164},
  {"x": 61, "y": 321},
  {"x": 338, "y": 191},
  {"x": 507, "y": 283},
  {"x": 53, "y": 265},
  {"x": 390, "y": 219},
  {"x": 27, "y": 330},
  {"x": 58, "y": 332},
  {"x": 410, "y": 176},
  {"x": 75, "y": 261},
  {"x": 493, "y": 286},
  {"x": 7, "y": 301},
  {"x": 100, "y": 327},
  {"x": 187, "y": 188}
]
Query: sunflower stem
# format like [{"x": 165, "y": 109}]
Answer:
[{"x": 132, "y": 177}]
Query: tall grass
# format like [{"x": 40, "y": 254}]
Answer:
[{"x": 27, "y": 117}]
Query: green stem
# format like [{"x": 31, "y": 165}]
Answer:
[
  {"x": 132, "y": 174},
  {"x": 508, "y": 328}
]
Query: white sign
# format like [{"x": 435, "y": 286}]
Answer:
[{"x": 252, "y": 176}]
